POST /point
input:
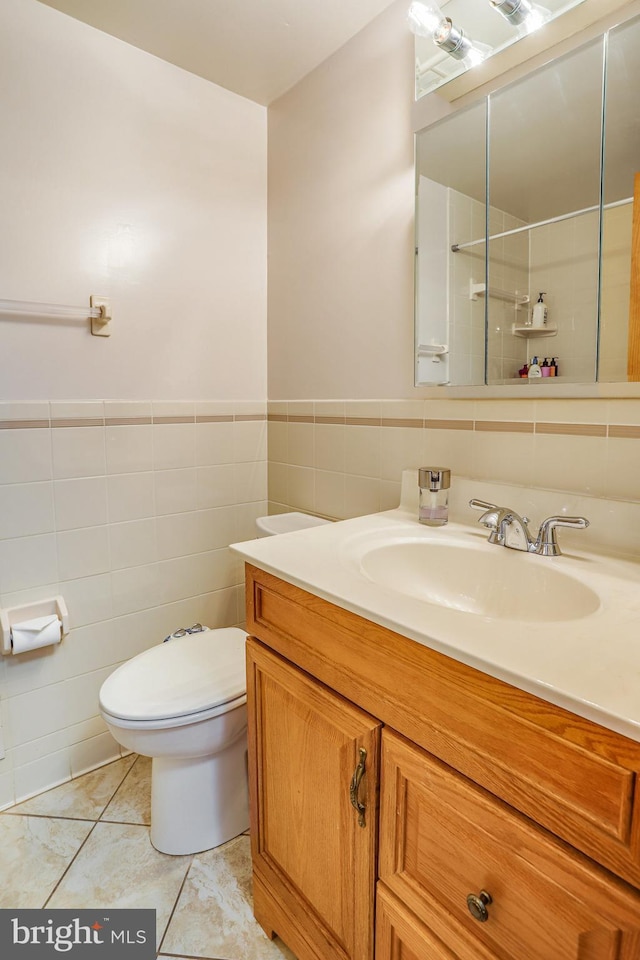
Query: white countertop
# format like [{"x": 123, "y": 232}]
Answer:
[{"x": 589, "y": 665}]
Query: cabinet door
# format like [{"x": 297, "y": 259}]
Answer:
[
  {"x": 443, "y": 838},
  {"x": 311, "y": 754}
]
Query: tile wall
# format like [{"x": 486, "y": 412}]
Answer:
[
  {"x": 616, "y": 283},
  {"x": 345, "y": 458},
  {"x": 126, "y": 509},
  {"x": 564, "y": 263}
]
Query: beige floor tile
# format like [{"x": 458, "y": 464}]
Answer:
[
  {"x": 132, "y": 801},
  {"x": 81, "y": 799},
  {"x": 34, "y": 853},
  {"x": 118, "y": 867},
  {"x": 213, "y": 917}
]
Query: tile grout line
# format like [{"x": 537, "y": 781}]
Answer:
[
  {"x": 84, "y": 842},
  {"x": 173, "y": 910},
  {"x": 71, "y": 862}
]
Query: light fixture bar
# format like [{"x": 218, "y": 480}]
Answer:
[{"x": 515, "y": 11}]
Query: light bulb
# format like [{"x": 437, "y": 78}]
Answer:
[{"x": 425, "y": 17}]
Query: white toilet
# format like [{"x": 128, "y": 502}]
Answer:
[{"x": 183, "y": 703}]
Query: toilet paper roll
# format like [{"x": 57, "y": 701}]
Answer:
[{"x": 33, "y": 634}]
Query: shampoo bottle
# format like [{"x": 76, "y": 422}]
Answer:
[
  {"x": 534, "y": 369},
  {"x": 539, "y": 313}
]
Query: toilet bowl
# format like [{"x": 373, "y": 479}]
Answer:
[{"x": 183, "y": 703}]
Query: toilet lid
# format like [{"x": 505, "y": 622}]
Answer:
[{"x": 185, "y": 675}]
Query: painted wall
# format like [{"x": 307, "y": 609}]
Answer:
[
  {"x": 344, "y": 417},
  {"x": 128, "y": 464},
  {"x": 126, "y": 177},
  {"x": 341, "y": 199}
]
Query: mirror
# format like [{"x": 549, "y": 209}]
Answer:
[
  {"x": 484, "y": 25},
  {"x": 523, "y": 169}
]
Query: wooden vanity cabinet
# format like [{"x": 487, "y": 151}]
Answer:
[
  {"x": 311, "y": 753},
  {"x": 485, "y": 789}
]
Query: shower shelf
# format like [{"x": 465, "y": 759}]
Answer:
[
  {"x": 480, "y": 290},
  {"x": 520, "y": 330}
]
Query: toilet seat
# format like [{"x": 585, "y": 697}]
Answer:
[{"x": 186, "y": 680}]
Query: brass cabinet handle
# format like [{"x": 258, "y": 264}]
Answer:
[
  {"x": 354, "y": 787},
  {"x": 478, "y": 905}
]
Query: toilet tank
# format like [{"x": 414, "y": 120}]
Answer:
[{"x": 286, "y": 523}]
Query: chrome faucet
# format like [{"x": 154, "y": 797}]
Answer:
[{"x": 509, "y": 529}]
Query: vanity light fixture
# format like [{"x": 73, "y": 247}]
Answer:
[
  {"x": 523, "y": 14},
  {"x": 426, "y": 19}
]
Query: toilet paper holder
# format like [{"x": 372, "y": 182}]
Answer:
[{"x": 29, "y": 611}]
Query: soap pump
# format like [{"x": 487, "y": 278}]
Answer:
[{"x": 539, "y": 312}]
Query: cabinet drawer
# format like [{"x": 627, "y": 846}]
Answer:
[
  {"x": 401, "y": 936},
  {"x": 443, "y": 838},
  {"x": 575, "y": 778}
]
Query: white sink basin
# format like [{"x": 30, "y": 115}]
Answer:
[
  {"x": 487, "y": 581},
  {"x": 563, "y": 628}
]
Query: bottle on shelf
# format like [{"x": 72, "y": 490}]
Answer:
[
  {"x": 534, "y": 369},
  {"x": 539, "y": 312}
]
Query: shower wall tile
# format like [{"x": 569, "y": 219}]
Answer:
[{"x": 126, "y": 508}]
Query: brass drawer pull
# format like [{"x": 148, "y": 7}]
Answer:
[
  {"x": 354, "y": 787},
  {"x": 478, "y": 905}
]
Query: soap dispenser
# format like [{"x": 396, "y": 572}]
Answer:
[{"x": 539, "y": 312}]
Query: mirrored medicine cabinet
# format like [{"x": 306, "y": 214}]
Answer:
[{"x": 530, "y": 191}]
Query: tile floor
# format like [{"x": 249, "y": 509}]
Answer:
[{"x": 86, "y": 844}]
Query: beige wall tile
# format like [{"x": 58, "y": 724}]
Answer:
[
  {"x": 329, "y": 494},
  {"x": 278, "y": 475},
  {"x": 330, "y": 440},
  {"x": 570, "y": 463},
  {"x": 362, "y": 451},
  {"x": 362, "y": 496},
  {"x": 80, "y": 503},
  {"x": 300, "y": 443},
  {"x": 26, "y": 509},
  {"x": 301, "y": 488},
  {"x": 130, "y": 496},
  {"x": 27, "y": 562},
  {"x": 622, "y": 472},
  {"x": 129, "y": 448},
  {"x": 177, "y": 491},
  {"x": 214, "y": 443}
]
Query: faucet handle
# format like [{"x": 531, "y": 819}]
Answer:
[
  {"x": 490, "y": 517},
  {"x": 547, "y": 541},
  {"x": 483, "y": 505}
]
